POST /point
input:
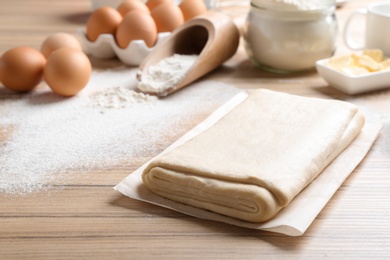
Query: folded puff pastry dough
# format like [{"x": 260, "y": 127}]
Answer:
[{"x": 258, "y": 157}]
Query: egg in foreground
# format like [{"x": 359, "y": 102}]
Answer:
[
  {"x": 67, "y": 71},
  {"x": 21, "y": 68}
]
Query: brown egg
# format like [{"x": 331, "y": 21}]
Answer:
[
  {"x": 21, "y": 68},
  {"x": 151, "y": 4},
  {"x": 131, "y": 5},
  {"x": 57, "y": 41},
  {"x": 67, "y": 71},
  {"x": 192, "y": 8},
  {"x": 167, "y": 16},
  {"x": 136, "y": 26},
  {"x": 103, "y": 20}
]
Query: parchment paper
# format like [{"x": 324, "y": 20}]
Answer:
[{"x": 299, "y": 214}]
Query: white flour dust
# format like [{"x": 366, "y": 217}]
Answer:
[{"x": 47, "y": 136}]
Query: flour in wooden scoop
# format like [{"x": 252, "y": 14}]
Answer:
[
  {"x": 166, "y": 74},
  {"x": 48, "y": 136}
]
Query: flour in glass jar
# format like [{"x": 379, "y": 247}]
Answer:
[
  {"x": 48, "y": 136},
  {"x": 293, "y": 4}
]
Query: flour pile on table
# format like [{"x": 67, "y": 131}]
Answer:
[
  {"x": 119, "y": 97},
  {"x": 108, "y": 122}
]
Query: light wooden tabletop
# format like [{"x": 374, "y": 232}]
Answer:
[{"x": 83, "y": 217}]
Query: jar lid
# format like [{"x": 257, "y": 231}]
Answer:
[{"x": 294, "y": 5}]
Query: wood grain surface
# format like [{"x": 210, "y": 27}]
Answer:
[{"x": 83, "y": 217}]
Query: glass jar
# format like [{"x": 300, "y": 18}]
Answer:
[{"x": 282, "y": 36}]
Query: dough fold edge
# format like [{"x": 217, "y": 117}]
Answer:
[{"x": 239, "y": 200}]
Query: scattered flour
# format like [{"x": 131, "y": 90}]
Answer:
[
  {"x": 166, "y": 74},
  {"x": 47, "y": 136}
]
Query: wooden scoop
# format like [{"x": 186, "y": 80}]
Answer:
[{"x": 213, "y": 37}]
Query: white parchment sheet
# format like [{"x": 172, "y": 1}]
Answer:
[{"x": 299, "y": 214}]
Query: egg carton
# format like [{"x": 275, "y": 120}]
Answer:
[{"x": 105, "y": 47}]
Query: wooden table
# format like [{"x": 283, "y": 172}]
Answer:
[{"x": 85, "y": 218}]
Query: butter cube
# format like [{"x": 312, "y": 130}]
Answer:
[
  {"x": 366, "y": 62},
  {"x": 340, "y": 62},
  {"x": 385, "y": 64},
  {"x": 375, "y": 54}
]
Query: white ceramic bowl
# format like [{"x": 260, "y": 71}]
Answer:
[{"x": 353, "y": 84}]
